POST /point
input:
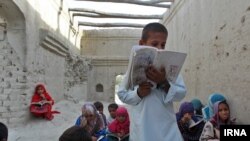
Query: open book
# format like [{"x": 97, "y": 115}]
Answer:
[
  {"x": 114, "y": 137},
  {"x": 40, "y": 103},
  {"x": 142, "y": 56},
  {"x": 194, "y": 124}
]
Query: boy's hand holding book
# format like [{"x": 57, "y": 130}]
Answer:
[
  {"x": 157, "y": 76},
  {"x": 144, "y": 89}
]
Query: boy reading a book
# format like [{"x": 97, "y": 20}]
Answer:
[{"x": 152, "y": 114}]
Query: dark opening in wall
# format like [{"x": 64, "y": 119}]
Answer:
[{"x": 99, "y": 88}]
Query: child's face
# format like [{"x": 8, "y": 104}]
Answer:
[
  {"x": 40, "y": 90},
  {"x": 112, "y": 112},
  {"x": 187, "y": 117},
  {"x": 100, "y": 110},
  {"x": 89, "y": 116},
  {"x": 155, "y": 39},
  {"x": 121, "y": 119},
  {"x": 223, "y": 111}
]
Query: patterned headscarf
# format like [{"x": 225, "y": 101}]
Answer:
[
  {"x": 215, "y": 120},
  {"x": 213, "y": 98},
  {"x": 97, "y": 123}
]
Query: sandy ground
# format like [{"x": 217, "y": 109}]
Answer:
[{"x": 39, "y": 129}]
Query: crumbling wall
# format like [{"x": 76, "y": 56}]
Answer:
[
  {"x": 77, "y": 68},
  {"x": 34, "y": 49},
  {"x": 215, "y": 35}
]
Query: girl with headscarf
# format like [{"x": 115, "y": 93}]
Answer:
[
  {"x": 186, "y": 119},
  {"x": 211, "y": 131},
  {"x": 214, "y": 97},
  {"x": 91, "y": 120},
  {"x": 41, "y": 103},
  {"x": 197, "y": 106},
  {"x": 120, "y": 126}
]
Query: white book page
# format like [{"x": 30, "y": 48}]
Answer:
[
  {"x": 171, "y": 61},
  {"x": 143, "y": 57}
]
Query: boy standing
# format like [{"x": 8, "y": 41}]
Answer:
[{"x": 152, "y": 113}]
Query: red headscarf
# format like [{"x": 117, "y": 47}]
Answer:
[
  {"x": 36, "y": 97},
  {"x": 118, "y": 127}
]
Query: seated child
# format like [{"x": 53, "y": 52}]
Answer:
[
  {"x": 211, "y": 131},
  {"x": 120, "y": 126},
  {"x": 75, "y": 133},
  {"x": 186, "y": 119},
  {"x": 3, "y": 132},
  {"x": 91, "y": 120},
  {"x": 112, "y": 109},
  {"x": 41, "y": 103},
  {"x": 99, "y": 107},
  {"x": 207, "y": 111},
  {"x": 197, "y": 107}
]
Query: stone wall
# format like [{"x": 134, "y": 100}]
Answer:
[
  {"x": 108, "y": 51},
  {"x": 215, "y": 35},
  {"x": 35, "y": 48}
]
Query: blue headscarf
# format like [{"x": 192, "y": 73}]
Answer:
[
  {"x": 197, "y": 104},
  {"x": 212, "y": 99}
]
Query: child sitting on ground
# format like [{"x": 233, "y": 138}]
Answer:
[
  {"x": 120, "y": 126},
  {"x": 99, "y": 107},
  {"x": 91, "y": 120},
  {"x": 211, "y": 131},
  {"x": 112, "y": 109},
  {"x": 41, "y": 103},
  {"x": 189, "y": 126},
  {"x": 197, "y": 107}
]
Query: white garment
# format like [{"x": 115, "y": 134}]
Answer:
[
  {"x": 152, "y": 118},
  {"x": 110, "y": 119}
]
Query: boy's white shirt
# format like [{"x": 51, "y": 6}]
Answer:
[
  {"x": 110, "y": 119},
  {"x": 153, "y": 117}
]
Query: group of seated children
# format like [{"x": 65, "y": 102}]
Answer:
[
  {"x": 93, "y": 120},
  {"x": 197, "y": 122}
]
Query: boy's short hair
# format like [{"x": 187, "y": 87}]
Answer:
[
  {"x": 153, "y": 27},
  {"x": 3, "y": 131},
  {"x": 75, "y": 133},
  {"x": 113, "y": 105},
  {"x": 98, "y": 105}
]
